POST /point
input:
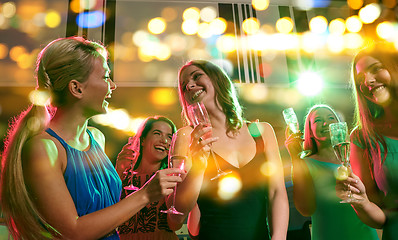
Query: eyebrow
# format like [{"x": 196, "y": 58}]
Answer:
[{"x": 368, "y": 67}]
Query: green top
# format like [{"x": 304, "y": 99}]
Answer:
[
  {"x": 332, "y": 219},
  {"x": 387, "y": 181}
]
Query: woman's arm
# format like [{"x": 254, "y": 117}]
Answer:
[
  {"x": 42, "y": 164},
  {"x": 303, "y": 186},
  {"x": 187, "y": 144},
  {"x": 363, "y": 187},
  {"x": 278, "y": 202}
]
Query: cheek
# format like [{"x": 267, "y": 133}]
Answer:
[{"x": 385, "y": 77}]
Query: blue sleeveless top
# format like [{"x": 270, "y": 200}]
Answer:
[
  {"x": 92, "y": 181},
  {"x": 244, "y": 216}
]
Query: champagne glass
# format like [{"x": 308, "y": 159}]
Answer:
[
  {"x": 340, "y": 140},
  {"x": 197, "y": 114},
  {"x": 291, "y": 119},
  {"x": 131, "y": 186},
  {"x": 175, "y": 162}
]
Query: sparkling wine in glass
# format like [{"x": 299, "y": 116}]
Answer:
[
  {"x": 197, "y": 114},
  {"x": 340, "y": 140},
  {"x": 131, "y": 186},
  {"x": 175, "y": 162},
  {"x": 291, "y": 119}
]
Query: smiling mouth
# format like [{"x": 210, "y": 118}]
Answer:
[
  {"x": 196, "y": 95},
  {"x": 377, "y": 89},
  {"x": 161, "y": 148}
]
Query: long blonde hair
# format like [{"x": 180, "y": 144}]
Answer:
[{"x": 58, "y": 63}]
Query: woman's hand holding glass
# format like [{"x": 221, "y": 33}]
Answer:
[
  {"x": 294, "y": 142},
  {"x": 200, "y": 146},
  {"x": 354, "y": 187}
]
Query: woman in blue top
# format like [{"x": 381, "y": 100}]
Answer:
[
  {"x": 374, "y": 141},
  {"x": 314, "y": 181},
  {"x": 56, "y": 180}
]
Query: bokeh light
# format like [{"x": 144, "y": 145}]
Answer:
[
  {"x": 284, "y": 25},
  {"x": 309, "y": 83},
  {"x": 268, "y": 168},
  {"x": 218, "y": 26},
  {"x": 169, "y": 14},
  {"x": 204, "y": 30},
  {"x": 337, "y": 26},
  {"x": 163, "y": 96},
  {"x": 190, "y": 27},
  {"x": 8, "y": 9},
  {"x": 353, "y": 24},
  {"x": 192, "y": 13},
  {"x": 229, "y": 186},
  {"x": 335, "y": 43},
  {"x": 3, "y": 51},
  {"x": 227, "y": 43},
  {"x": 92, "y": 19},
  {"x": 251, "y": 25},
  {"x": 369, "y": 13},
  {"x": 355, "y": 4},
  {"x": 39, "y": 98},
  {"x": 207, "y": 14},
  {"x": 385, "y": 30},
  {"x": 353, "y": 41},
  {"x": 260, "y": 5},
  {"x": 254, "y": 93},
  {"x": 318, "y": 24},
  {"x": 157, "y": 25},
  {"x": 16, "y": 52},
  {"x": 52, "y": 19}
]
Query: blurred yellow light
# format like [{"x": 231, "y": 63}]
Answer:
[
  {"x": 127, "y": 38},
  {"x": 157, "y": 25},
  {"x": 119, "y": 118},
  {"x": 88, "y": 4},
  {"x": 192, "y": 13},
  {"x": 163, "y": 96},
  {"x": 226, "y": 43},
  {"x": 385, "y": 30},
  {"x": 284, "y": 25},
  {"x": 190, "y": 27},
  {"x": 134, "y": 125},
  {"x": 24, "y": 61},
  {"x": 251, "y": 25},
  {"x": 204, "y": 30},
  {"x": 177, "y": 42},
  {"x": 169, "y": 14},
  {"x": 353, "y": 24},
  {"x": 163, "y": 52},
  {"x": 268, "y": 168},
  {"x": 254, "y": 93},
  {"x": 335, "y": 43},
  {"x": 3, "y": 51},
  {"x": 311, "y": 42},
  {"x": 16, "y": 52},
  {"x": 355, "y": 4},
  {"x": 260, "y": 5},
  {"x": 141, "y": 37},
  {"x": 39, "y": 97},
  {"x": 259, "y": 41},
  {"x": 143, "y": 56},
  {"x": 318, "y": 24},
  {"x": 282, "y": 42},
  {"x": 53, "y": 19},
  {"x": 218, "y": 26},
  {"x": 207, "y": 14},
  {"x": 9, "y": 9},
  {"x": 369, "y": 13},
  {"x": 75, "y": 6},
  {"x": 337, "y": 26},
  {"x": 228, "y": 186},
  {"x": 353, "y": 41}
]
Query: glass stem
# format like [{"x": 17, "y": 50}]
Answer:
[{"x": 215, "y": 160}]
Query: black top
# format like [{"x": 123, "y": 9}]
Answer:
[{"x": 244, "y": 216}]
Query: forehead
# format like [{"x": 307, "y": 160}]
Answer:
[
  {"x": 364, "y": 62},
  {"x": 161, "y": 126},
  {"x": 188, "y": 71},
  {"x": 321, "y": 112}
]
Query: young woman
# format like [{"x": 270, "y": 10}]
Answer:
[
  {"x": 374, "y": 141},
  {"x": 139, "y": 160},
  {"x": 56, "y": 180},
  {"x": 314, "y": 180},
  {"x": 260, "y": 210}
]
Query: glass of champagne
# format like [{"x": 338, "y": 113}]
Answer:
[
  {"x": 175, "y": 161},
  {"x": 197, "y": 114},
  {"x": 291, "y": 119},
  {"x": 133, "y": 173},
  {"x": 340, "y": 140}
]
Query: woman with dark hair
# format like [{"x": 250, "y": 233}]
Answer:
[
  {"x": 260, "y": 209},
  {"x": 374, "y": 140},
  {"x": 139, "y": 160},
  {"x": 314, "y": 180},
  {"x": 57, "y": 182}
]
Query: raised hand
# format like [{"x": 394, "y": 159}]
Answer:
[
  {"x": 352, "y": 187},
  {"x": 200, "y": 145},
  {"x": 294, "y": 142},
  {"x": 162, "y": 183}
]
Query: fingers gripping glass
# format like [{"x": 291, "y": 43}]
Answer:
[
  {"x": 175, "y": 162},
  {"x": 340, "y": 140},
  {"x": 291, "y": 121},
  {"x": 197, "y": 114}
]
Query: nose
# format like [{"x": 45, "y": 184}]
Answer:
[
  {"x": 191, "y": 84},
  {"x": 164, "y": 139},
  {"x": 112, "y": 85},
  {"x": 369, "y": 80}
]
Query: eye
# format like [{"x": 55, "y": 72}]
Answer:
[{"x": 196, "y": 76}]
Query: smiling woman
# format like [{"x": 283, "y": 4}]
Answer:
[{"x": 140, "y": 158}]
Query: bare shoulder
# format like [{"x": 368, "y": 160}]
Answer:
[
  {"x": 98, "y": 136},
  {"x": 266, "y": 129}
]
